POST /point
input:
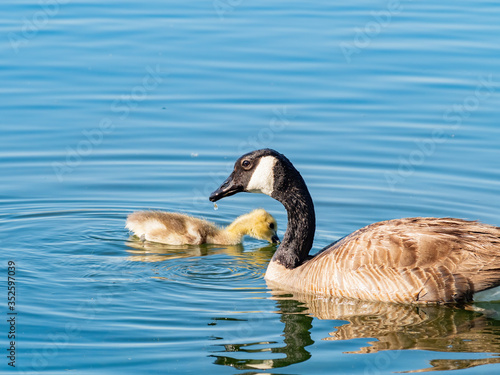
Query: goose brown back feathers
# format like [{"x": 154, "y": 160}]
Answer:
[{"x": 404, "y": 260}]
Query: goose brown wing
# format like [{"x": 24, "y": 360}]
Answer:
[{"x": 440, "y": 259}]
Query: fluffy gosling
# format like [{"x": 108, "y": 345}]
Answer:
[{"x": 179, "y": 229}]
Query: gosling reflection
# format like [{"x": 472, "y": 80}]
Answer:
[
  {"x": 390, "y": 327},
  {"x": 152, "y": 252}
]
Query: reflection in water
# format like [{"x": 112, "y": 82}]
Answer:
[
  {"x": 404, "y": 327},
  {"x": 222, "y": 267},
  {"x": 151, "y": 252},
  {"x": 388, "y": 327},
  {"x": 296, "y": 338},
  {"x": 391, "y": 326}
]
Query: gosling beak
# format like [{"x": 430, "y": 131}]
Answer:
[
  {"x": 228, "y": 188},
  {"x": 275, "y": 239}
]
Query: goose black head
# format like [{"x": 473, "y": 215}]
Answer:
[
  {"x": 255, "y": 172},
  {"x": 269, "y": 172}
]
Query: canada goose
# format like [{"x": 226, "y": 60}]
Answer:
[
  {"x": 423, "y": 260},
  {"x": 178, "y": 229}
]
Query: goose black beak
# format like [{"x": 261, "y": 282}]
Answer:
[
  {"x": 275, "y": 239},
  {"x": 228, "y": 188}
]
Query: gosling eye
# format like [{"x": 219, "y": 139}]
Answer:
[
  {"x": 271, "y": 225},
  {"x": 246, "y": 164}
]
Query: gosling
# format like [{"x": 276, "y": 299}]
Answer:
[{"x": 179, "y": 229}]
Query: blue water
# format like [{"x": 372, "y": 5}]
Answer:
[{"x": 388, "y": 109}]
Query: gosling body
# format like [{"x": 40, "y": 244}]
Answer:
[
  {"x": 412, "y": 260},
  {"x": 179, "y": 229}
]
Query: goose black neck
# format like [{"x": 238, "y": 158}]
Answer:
[{"x": 292, "y": 192}]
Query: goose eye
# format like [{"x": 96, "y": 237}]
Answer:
[
  {"x": 246, "y": 164},
  {"x": 271, "y": 225}
]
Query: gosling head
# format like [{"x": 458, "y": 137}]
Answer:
[
  {"x": 263, "y": 171},
  {"x": 262, "y": 225}
]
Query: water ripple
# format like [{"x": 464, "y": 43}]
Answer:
[{"x": 219, "y": 271}]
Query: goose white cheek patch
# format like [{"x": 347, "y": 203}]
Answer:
[{"x": 262, "y": 180}]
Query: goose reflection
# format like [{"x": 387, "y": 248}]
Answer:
[
  {"x": 388, "y": 327},
  {"x": 296, "y": 338},
  {"x": 403, "y": 327},
  {"x": 384, "y": 326}
]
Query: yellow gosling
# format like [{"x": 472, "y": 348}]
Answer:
[{"x": 179, "y": 229}]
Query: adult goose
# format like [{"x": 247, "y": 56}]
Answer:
[{"x": 412, "y": 260}]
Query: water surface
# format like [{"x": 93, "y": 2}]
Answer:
[{"x": 388, "y": 109}]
